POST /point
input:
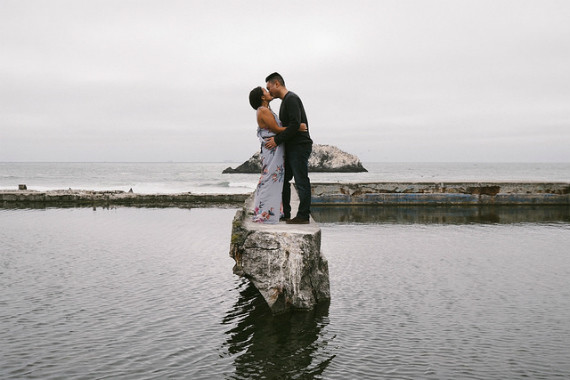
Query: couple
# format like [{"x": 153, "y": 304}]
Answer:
[{"x": 285, "y": 149}]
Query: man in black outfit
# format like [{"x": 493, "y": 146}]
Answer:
[{"x": 298, "y": 147}]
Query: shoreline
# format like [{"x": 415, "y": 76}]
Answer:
[{"x": 323, "y": 194}]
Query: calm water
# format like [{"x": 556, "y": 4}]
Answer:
[
  {"x": 148, "y": 178},
  {"x": 134, "y": 293}
]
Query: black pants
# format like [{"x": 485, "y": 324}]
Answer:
[{"x": 297, "y": 166}]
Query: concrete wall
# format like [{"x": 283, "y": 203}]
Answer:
[
  {"x": 426, "y": 193},
  {"x": 323, "y": 194},
  {"x": 63, "y": 198}
]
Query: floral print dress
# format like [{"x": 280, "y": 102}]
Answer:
[{"x": 267, "y": 205}]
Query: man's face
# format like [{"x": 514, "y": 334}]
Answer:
[{"x": 272, "y": 88}]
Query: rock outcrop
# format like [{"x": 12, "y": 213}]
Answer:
[
  {"x": 324, "y": 158},
  {"x": 283, "y": 261}
]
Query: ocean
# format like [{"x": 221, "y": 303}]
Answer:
[
  {"x": 149, "y": 178},
  {"x": 149, "y": 293}
]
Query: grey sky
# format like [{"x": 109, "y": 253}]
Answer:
[{"x": 402, "y": 80}]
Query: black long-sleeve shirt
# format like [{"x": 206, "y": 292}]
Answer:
[{"x": 292, "y": 114}]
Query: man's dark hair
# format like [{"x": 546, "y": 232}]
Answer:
[
  {"x": 255, "y": 97},
  {"x": 275, "y": 77}
]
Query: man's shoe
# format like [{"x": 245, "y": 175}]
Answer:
[
  {"x": 297, "y": 220},
  {"x": 284, "y": 219}
]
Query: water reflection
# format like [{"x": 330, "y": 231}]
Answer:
[
  {"x": 292, "y": 345},
  {"x": 441, "y": 214}
]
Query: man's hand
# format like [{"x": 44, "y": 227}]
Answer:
[{"x": 270, "y": 143}]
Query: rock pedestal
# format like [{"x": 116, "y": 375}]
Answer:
[{"x": 283, "y": 261}]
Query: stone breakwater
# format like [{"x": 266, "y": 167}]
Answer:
[
  {"x": 284, "y": 262},
  {"x": 441, "y": 193},
  {"x": 323, "y": 194},
  {"x": 70, "y": 198}
]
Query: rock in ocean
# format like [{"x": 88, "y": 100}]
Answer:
[
  {"x": 284, "y": 262},
  {"x": 324, "y": 158}
]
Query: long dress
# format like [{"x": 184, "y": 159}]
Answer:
[{"x": 267, "y": 205}]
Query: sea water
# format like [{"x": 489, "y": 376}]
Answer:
[
  {"x": 141, "y": 293},
  {"x": 417, "y": 293},
  {"x": 148, "y": 178}
]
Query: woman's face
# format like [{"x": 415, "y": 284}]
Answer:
[{"x": 266, "y": 95}]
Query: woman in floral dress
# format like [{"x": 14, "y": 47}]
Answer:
[{"x": 267, "y": 205}]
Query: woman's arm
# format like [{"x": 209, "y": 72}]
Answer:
[{"x": 266, "y": 120}]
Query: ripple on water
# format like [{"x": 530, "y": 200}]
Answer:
[
  {"x": 149, "y": 294},
  {"x": 450, "y": 301}
]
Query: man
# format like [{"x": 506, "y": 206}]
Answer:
[{"x": 298, "y": 147}]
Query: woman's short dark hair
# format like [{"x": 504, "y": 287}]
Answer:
[{"x": 255, "y": 97}]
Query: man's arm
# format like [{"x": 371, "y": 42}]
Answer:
[{"x": 292, "y": 120}]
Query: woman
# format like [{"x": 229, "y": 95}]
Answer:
[{"x": 267, "y": 205}]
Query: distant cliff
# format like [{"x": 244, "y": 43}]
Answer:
[{"x": 324, "y": 158}]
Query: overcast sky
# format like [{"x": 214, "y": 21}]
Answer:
[{"x": 402, "y": 80}]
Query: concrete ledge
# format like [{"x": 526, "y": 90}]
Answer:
[
  {"x": 428, "y": 193},
  {"x": 323, "y": 194},
  {"x": 281, "y": 227},
  {"x": 66, "y": 198}
]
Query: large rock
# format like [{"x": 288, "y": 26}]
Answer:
[
  {"x": 284, "y": 262},
  {"x": 324, "y": 158}
]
